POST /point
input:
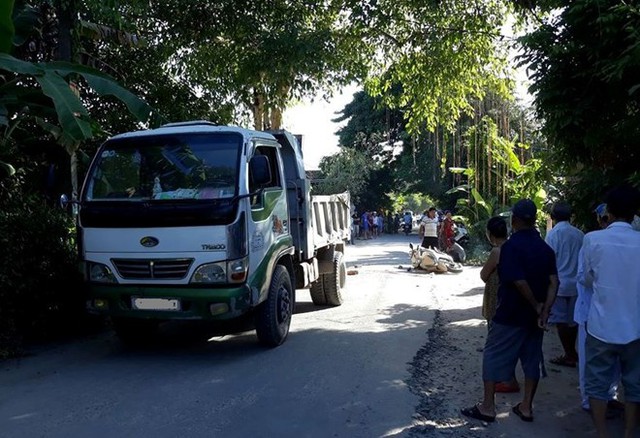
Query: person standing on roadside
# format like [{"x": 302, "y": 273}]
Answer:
[
  {"x": 364, "y": 225},
  {"x": 496, "y": 235},
  {"x": 447, "y": 231},
  {"x": 581, "y": 314},
  {"x": 429, "y": 226},
  {"x": 566, "y": 241},
  {"x": 528, "y": 286},
  {"x": 611, "y": 260}
]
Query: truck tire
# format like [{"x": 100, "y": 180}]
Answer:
[
  {"x": 334, "y": 281},
  {"x": 318, "y": 296},
  {"x": 135, "y": 331},
  {"x": 273, "y": 316}
]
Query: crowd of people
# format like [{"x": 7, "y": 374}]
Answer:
[
  {"x": 436, "y": 229},
  {"x": 371, "y": 224},
  {"x": 587, "y": 285}
]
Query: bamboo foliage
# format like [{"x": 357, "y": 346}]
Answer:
[{"x": 490, "y": 161}]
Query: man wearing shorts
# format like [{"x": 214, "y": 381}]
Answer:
[
  {"x": 611, "y": 258},
  {"x": 581, "y": 314},
  {"x": 566, "y": 241},
  {"x": 528, "y": 286}
]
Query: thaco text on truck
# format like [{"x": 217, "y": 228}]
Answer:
[{"x": 193, "y": 221}]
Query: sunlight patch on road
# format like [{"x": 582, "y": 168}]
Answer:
[
  {"x": 398, "y": 431},
  {"x": 473, "y": 322},
  {"x": 23, "y": 416}
]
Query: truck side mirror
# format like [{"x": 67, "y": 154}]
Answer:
[
  {"x": 259, "y": 171},
  {"x": 64, "y": 201}
]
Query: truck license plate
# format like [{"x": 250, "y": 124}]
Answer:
[{"x": 155, "y": 303}]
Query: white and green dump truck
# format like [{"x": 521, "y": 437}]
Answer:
[{"x": 193, "y": 221}]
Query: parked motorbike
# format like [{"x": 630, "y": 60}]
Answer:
[
  {"x": 460, "y": 240},
  {"x": 432, "y": 260},
  {"x": 457, "y": 253},
  {"x": 462, "y": 235}
]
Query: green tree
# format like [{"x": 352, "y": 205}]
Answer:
[
  {"x": 443, "y": 54},
  {"x": 586, "y": 64}
]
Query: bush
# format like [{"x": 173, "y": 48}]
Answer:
[{"x": 41, "y": 287}]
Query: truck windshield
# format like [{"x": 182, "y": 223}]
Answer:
[{"x": 165, "y": 167}]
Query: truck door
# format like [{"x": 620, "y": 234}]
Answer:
[{"x": 269, "y": 223}]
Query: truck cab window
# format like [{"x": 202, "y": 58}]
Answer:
[{"x": 276, "y": 179}]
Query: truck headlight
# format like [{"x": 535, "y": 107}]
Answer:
[
  {"x": 210, "y": 273},
  {"x": 233, "y": 271},
  {"x": 100, "y": 273}
]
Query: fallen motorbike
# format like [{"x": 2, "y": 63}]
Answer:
[{"x": 432, "y": 260}]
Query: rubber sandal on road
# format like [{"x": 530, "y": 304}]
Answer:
[
  {"x": 474, "y": 412},
  {"x": 564, "y": 361},
  {"x": 516, "y": 410}
]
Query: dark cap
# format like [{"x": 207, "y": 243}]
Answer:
[{"x": 524, "y": 209}]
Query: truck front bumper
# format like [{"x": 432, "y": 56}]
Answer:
[{"x": 170, "y": 302}]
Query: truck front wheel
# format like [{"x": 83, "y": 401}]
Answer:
[{"x": 273, "y": 316}]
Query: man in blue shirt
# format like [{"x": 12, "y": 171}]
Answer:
[{"x": 528, "y": 286}]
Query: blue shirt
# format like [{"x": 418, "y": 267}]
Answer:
[
  {"x": 524, "y": 256},
  {"x": 566, "y": 241}
]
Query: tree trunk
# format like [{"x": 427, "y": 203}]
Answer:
[
  {"x": 66, "y": 12},
  {"x": 258, "y": 111},
  {"x": 275, "y": 118}
]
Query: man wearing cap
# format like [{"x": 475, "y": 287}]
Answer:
[
  {"x": 528, "y": 286},
  {"x": 611, "y": 258},
  {"x": 566, "y": 241}
]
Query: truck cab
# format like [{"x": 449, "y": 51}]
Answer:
[{"x": 194, "y": 221}]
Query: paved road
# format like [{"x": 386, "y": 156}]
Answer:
[{"x": 343, "y": 371}]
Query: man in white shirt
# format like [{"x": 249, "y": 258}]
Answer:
[
  {"x": 611, "y": 260},
  {"x": 580, "y": 315},
  {"x": 566, "y": 241}
]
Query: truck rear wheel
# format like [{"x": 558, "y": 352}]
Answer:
[
  {"x": 334, "y": 281},
  {"x": 273, "y": 316},
  {"x": 318, "y": 296},
  {"x": 135, "y": 331}
]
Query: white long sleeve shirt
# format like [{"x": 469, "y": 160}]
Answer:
[
  {"x": 566, "y": 241},
  {"x": 611, "y": 260}
]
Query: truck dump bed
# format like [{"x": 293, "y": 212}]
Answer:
[{"x": 330, "y": 219}]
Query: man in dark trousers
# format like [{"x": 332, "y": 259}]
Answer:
[{"x": 528, "y": 287}]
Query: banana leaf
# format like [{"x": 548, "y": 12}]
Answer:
[{"x": 7, "y": 30}]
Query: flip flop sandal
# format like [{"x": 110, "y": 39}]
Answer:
[
  {"x": 474, "y": 412},
  {"x": 516, "y": 410}
]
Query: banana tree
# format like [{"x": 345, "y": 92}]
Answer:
[{"x": 44, "y": 92}]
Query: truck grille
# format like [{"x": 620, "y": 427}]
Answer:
[{"x": 159, "y": 269}]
